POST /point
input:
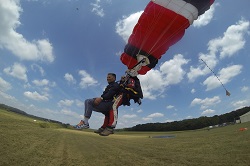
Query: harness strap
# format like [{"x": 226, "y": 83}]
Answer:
[{"x": 132, "y": 90}]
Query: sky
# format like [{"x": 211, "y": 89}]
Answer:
[{"x": 55, "y": 54}]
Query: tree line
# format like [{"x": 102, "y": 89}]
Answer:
[{"x": 192, "y": 124}]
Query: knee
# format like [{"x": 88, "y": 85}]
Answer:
[{"x": 88, "y": 101}]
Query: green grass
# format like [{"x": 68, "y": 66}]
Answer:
[{"x": 25, "y": 142}]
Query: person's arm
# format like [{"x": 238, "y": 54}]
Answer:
[
  {"x": 112, "y": 91},
  {"x": 98, "y": 100}
]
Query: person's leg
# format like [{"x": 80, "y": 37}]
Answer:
[
  {"x": 104, "y": 108},
  {"x": 84, "y": 124},
  {"x": 104, "y": 125},
  {"x": 106, "y": 121},
  {"x": 88, "y": 109},
  {"x": 113, "y": 113},
  {"x": 113, "y": 116}
]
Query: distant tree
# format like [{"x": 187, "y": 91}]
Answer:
[{"x": 191, "y": 124}]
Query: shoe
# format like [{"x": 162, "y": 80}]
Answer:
[
  {"x": 107, "y": 131},
  {"x": 82, "y": 125},
  {"x": 99, "y": 130}
]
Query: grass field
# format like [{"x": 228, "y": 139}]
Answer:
[{"x": 25, "y": 142}]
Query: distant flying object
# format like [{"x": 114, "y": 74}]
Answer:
[
  {"x": 227, "y": 92},
  {"x": 161, "y": 25}
]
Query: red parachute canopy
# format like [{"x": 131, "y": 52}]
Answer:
[{"x": 161, "y": 25}]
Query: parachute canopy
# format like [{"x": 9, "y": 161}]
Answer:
[{"x": 161, "y": 25}]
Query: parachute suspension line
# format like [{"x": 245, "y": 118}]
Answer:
[
  {"x": 150, "y": 29},
  {"x": 227, "y": 92},
  {"x": 166, "y": 29}
]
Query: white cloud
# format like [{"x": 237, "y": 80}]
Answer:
[
  {"x": 172, "y": 70},
  {"x": 205, "y": 18},
  {"x": 125, "y": 26},
  {"x": 129, "y": 116},
  {"x": 193, "y": 91},
  {"x": 66, "y": 102},
  {"x": 36, "y": 96},
  {"x": 232, "y": 41},
  {"x": 240, "y": 103},
  {"x": 7, "y": 97},
  {"x": 4, "y": 85},
  {"x": 169, "y": 120},
  {"x": 244, "y": 89},
  {"x": 79, "y": 103},
  {"x": 34, "y": 67},
  {"x": 170, "y": 107},
  {"x": 202, "y": 69},
  {"x": 44, "y": 82},
  {"x": 207, "y": 102},
  {"x": 226, "y": 46},
  {"x": 170, "y": 73},
  {"x": 11, "y": 40},
  {"x": 208, "y": 112},
  {"x": 97, "y": 9},
  {"x": 69, "y": 77},
  {"x": 45, "y": 50},
  {"x": 225, "y": 75},
  {"x": 86, "y": 79},
  {"x": 149, "y": 86},
  {"x": 140, "y": 110},
  {"x": 155, "y": 115},
  {"x": 70, "y": 113},
  {"x": 147, "y": 119},
  {"x": 18, "y": 71}
]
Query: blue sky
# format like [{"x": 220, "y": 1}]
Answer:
[{"x": 55, "y": 54}]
